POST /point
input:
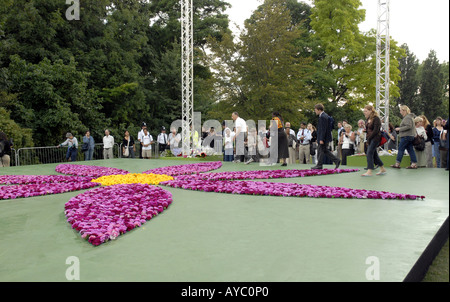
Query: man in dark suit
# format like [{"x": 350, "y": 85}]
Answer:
[{"x": 323, "y": 138}]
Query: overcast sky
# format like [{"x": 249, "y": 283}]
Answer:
[{"x": 423, "y": 25}]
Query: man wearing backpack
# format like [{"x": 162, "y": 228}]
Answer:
[{"x": 324, "y": 127}]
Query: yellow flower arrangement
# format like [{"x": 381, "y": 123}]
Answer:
[{"x": 132, "y": 178}]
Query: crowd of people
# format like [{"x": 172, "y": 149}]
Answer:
[{"x": 426, "y": 143}]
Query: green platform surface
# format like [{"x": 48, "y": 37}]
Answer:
[
  {"x": 388, "y": 160},
  {"x": 212, "y": 237}
]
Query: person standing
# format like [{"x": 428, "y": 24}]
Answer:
[
  {"x": 228, "y": 144},
  {"x": 240, "y": 136},
  {"x": 283, "y": 147},
  {"x": 324, "y": 138},
  {"x": 407, "y": 132},
  {"x": 162, "y": 139},
  {"x": 139, "y": 137},
  {"x": 88, "y": 145},
  {"x": 361, "y": 137},
  {"x": 420, "y": 131},
  {"x": 313, "y": 143},
  {"x": 174, "y": 142},
  {"x": 445, "y": 127},
  {"x": 292, "y": 144},
  {"x": 304, "y": 139},
  {"x": 373, "y": 130},
  {"x": 108, "y": 145},
  {"x": 72, "y": 147},
  {"x": 428, "y": 141},
  {"x": 128, "y": 146},
  {"x": 147, "y": 141},
  {"x": 437, "y": 140},
  {"x": 347, "y": 142}
]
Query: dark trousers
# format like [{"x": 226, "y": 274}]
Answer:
[
  {"x": 72, "y": 154},
  {"x": 372, "y": 155},
  {"x": 322, "y": 150},
  {"x": 345, "y": 153}
]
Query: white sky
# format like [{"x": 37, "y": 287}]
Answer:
[{"x": 423, "y": 25}]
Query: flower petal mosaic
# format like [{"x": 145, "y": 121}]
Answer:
[{"x": 117, "y": 201}]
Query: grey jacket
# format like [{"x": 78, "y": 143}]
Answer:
[{"x": 407, "y": 127}]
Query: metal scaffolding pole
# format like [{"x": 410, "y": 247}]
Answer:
[
  {"x": 383, "y": 63},
  {"x": 187, "y": 73}
]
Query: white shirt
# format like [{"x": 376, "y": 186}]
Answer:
[
  {"x": 108, "y": 141},
  {"x": 162, "y": 138},
  {"x": 228, "y": 139},
  {"x": 146, "y": 140},
  {"x": 307, "y": 136},
  {"x": 347, "y": 143},
  {"x": 240, "y": 123},
  {"x": 140, "y": 135},
  {"x": 421, "y": 132}
]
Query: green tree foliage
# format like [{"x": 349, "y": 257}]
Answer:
[
  {"x": 431, "y": 87},
  {"x": 52, "y": 99},
  {"x": 117, "y": 66},
  {"x": 262, "y": 72},
  {"x": 21, "y": 137},
  {"x": 348, "y": 56},
  {"x": 409, "y": 82}
]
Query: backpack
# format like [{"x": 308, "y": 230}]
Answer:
[{"x": 330, "y": 122}]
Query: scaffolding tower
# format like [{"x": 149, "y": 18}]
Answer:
[
  {"x": 187, "y": 73},
  {"x": 383, "y": 63}
]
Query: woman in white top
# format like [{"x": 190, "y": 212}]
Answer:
[
  {"x": 347, "y": 141},
  {"x": 228, "y": 144},
  {"x": 420, "y": 130}
]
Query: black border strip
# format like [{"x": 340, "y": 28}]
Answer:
[{"x": 422, "y": 265}]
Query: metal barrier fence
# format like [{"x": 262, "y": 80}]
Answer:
[{"x": 51, "y": 155}]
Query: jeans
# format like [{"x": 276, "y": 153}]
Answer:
[
  {"x": 437, "y": 154},
  {"x": 372, "y": 155},
  {"x": 406, "y": 143},
  {"x": 72, "y": 154},
  {"x": 88, "y": 154}
]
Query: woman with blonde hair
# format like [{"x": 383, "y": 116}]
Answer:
[
  {"x": 373, "y": 130},
  {"x": 420, "y": 131},
  {"x": 347, "y": 141},
  {"x": 407, "y": 132},
  {"x": 428, "y": 142}
]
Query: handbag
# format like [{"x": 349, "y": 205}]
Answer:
[
  {"x": 126, "y": 153},
  {"x": 312, "y": 149},
  {"x": 384, "y": 138},
  {"x": 419, "y": 143}
]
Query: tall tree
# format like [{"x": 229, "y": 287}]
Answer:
[
  {"x": 409, "y": 83},
  {"x": 431, "y": 87},
  {"x": 347, "y": 56},
  {"x": 263, "y": 72}
]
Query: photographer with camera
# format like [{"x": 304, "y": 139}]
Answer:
[{"x": 72, "y": 144}]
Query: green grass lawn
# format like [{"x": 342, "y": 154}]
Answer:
[{"x": 438, "y": 271}]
